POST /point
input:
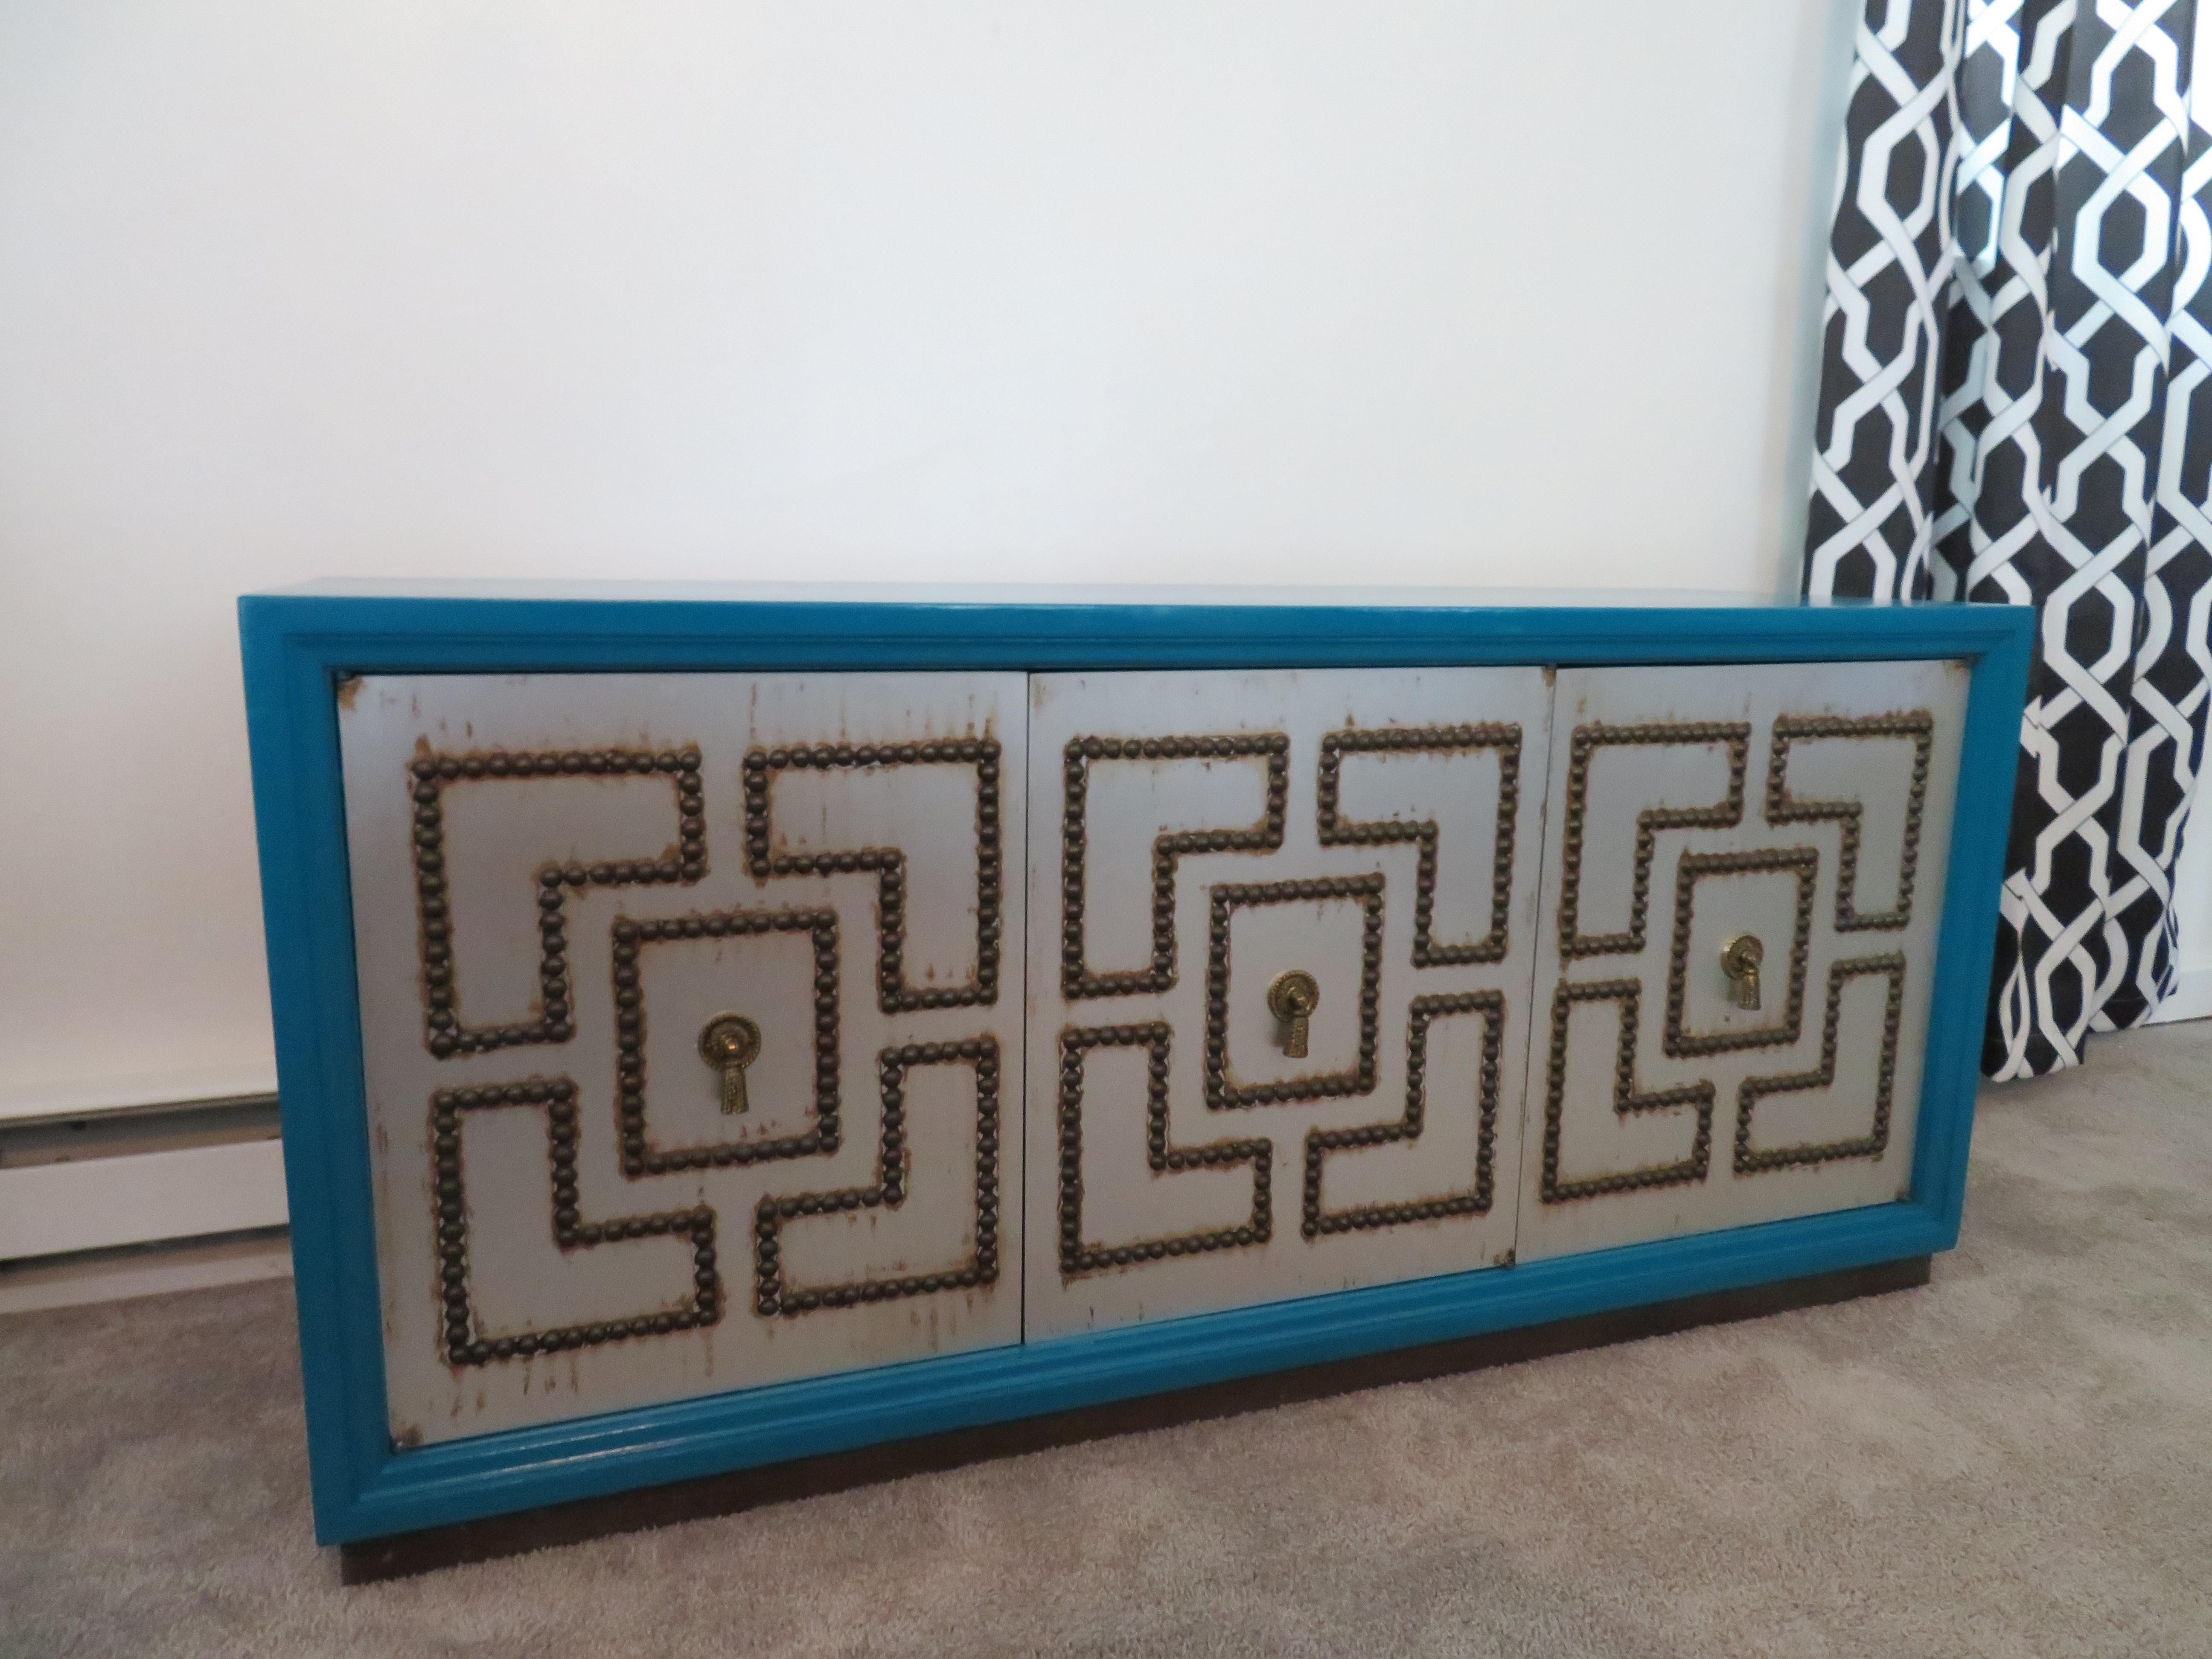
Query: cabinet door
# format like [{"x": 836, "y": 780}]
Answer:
[
  {"x": 1211, "y": 1130},
  {"x": 689, "y": 1018},
  {"x": 1803, "y": 808}
]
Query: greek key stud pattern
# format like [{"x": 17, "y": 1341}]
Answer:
[
  {"x": 1627, "y": 1099},
  {"x": 687, "y": 1001},
  {"x": 1227, "y": 1001},
  {"x": 1227, "y": 898},
  {"x": 773, "y": 1296},
  {"x": 1079, "y": 1255},
  {"x": 429, "y": 777},
  {"x": 633, "y": 937},
  {"x": 1724, "y": 814},
  {"x": 465, "y": 1345},
  {"x": 702, "y": 1303},
  {"x": 1800, "y": 866},
  {"x": 1335, "y": 830},
  {"x": 1801, "y": 863},
  {"x": 1420, "y": 1016},
  {"x": 888, "y": 864},
  {"x": 1783, "y": 807},
  {"x": 1078, "y": 980},
  {"x": 1749, "y": 1161}
]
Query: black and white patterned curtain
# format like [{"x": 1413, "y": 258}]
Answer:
[{"x": 2017, "y": 408}]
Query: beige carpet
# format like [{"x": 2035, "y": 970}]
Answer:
[{"x": 2017, "y": 1459}]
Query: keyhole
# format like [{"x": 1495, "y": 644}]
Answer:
[
  {"x": 729, "y": 1043},
  {"x": 1739, "y": 960},
  {"x": 1291, "y": 999}
]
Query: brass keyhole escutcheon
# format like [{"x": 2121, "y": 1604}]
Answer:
[
  {"x": 729, "y": 1043},
  {"x": 1291, "y": 999},
  {"x": 1739, "y": 960}
]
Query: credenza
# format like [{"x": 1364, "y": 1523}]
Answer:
[{"x": 733, "y": 1028}]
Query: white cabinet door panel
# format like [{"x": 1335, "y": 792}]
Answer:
[
  {"x": 1197, "y": 837},
  {"x": 1806, "y": 806},
  {"x": 570, "y": 894}
]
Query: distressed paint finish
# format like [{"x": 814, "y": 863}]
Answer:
[
  {"x": 1806, "y": 805},
  {"x": 1213, "y": 834},
  {"x": 559, "y": 882}
]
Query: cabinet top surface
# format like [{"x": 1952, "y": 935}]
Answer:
[
  {"x": 352, "y": 627},
  {"x": 1056, "y": 595}
]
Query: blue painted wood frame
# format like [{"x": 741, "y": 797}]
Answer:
[{"x": 300, "y": 643}]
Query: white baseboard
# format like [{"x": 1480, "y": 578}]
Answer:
[
  {"x": 148, "y": 1270},
  {"x": 99, "y": 1203},
  {"x": 89, "y": 1096}
]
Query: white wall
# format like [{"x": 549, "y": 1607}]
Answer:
[
  {"x": 1475, "y": 290},
  {"x": 2191, "y": 998}
]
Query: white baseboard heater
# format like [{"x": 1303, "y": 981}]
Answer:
[{"x": 97, "y": 1181}]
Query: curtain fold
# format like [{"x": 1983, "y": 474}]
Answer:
[{"x": 2017, "y": 408}]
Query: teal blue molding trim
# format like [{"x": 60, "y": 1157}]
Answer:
[{"x": 298, "y": 647}]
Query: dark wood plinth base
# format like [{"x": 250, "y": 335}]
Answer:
[{"x": 406, "y": 1553}]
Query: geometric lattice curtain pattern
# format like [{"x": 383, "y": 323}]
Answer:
[{"x": 2015, "y": 407}]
